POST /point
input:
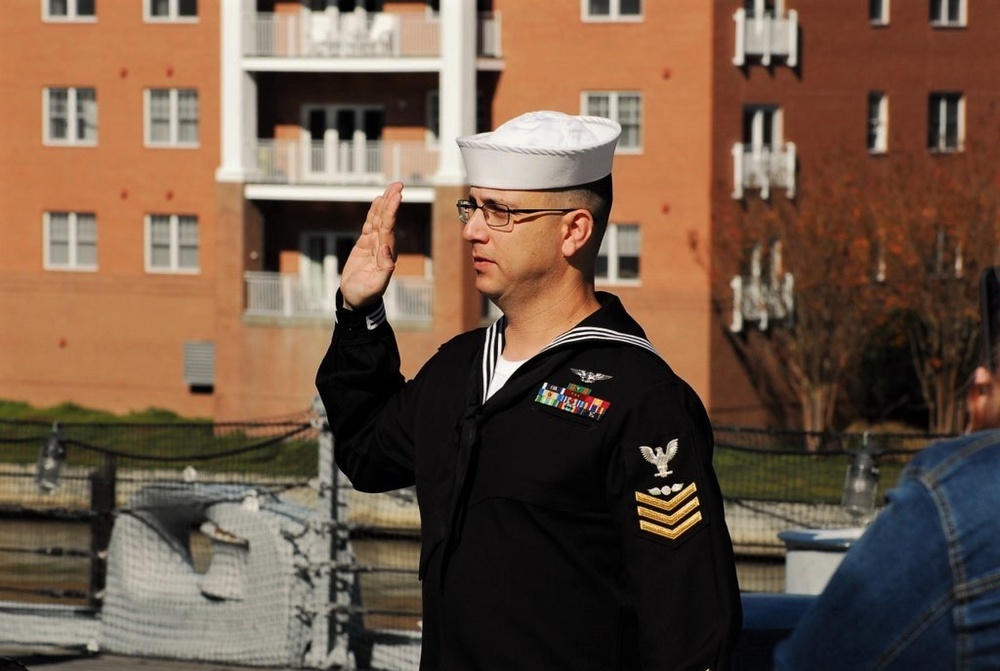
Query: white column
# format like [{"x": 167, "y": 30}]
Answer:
[
  {"x": 457, "y": 86},
  {"x": 239, "y": 92}
]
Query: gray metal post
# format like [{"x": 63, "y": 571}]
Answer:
[{"x": 330, "y": 637}]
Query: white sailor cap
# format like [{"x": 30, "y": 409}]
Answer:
[{"x": 541, "y": 150}]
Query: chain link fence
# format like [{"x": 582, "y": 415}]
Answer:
[{"x": 65, "y": 487}]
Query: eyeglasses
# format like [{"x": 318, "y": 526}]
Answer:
[{"x": 497, "y": 215}]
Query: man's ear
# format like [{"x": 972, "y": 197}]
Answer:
[{"x": 577, "y": 232}]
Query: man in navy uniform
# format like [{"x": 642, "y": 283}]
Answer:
[{"x": 571, "y": 518}]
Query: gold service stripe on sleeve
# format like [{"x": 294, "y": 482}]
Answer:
[
  {"x": 670, "y": 520},
  {"x": 672, "y": 534}
]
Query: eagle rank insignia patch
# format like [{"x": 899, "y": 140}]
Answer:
[
  {"x": 671, "y": 510},
  {"x": 660, "y": 457}
]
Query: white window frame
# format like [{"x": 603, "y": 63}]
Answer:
[
  {"x": 878, "y": 122},
  {"x": 73, "y": 117},
  {"x": 72, "y": 13},
  {"x": 941, "y": 17},
  {"x": 174, "y": 119},
  {"x": 614, "y": 13},
  {"x": 614, "y": 112},
  {"x": 943, "y": 99},
  {"x": 878, "y": 12},
  {"x": 173, "y": 266},
  {"x": 173, "y": 15},
  {"x": 73, "y": 242},
  {"x": 611, "y": 250},
  {"x": 761, "y": 9}
]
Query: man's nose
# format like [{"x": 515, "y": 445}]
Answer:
[{"x": 475, "y": 228}]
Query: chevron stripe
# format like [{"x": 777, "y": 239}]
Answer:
[
  {"x": 376, "y": 319},
  {"x": 672, "y": 534},
  {"x": 670, "y": 519}
]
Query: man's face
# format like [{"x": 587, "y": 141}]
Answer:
[
  {"x": 522, "y": 258},
  {"x": 983, "y": 401}
]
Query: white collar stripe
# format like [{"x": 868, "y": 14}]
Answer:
[
  {"x": 495, "y": 343},
  {"x": 491, "y": 353},
  {"x": 594, "y": 333}
]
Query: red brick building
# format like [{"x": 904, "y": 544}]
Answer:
[
  {"x": 182, "y": 178},
  {"x": 798, "y": 84}
]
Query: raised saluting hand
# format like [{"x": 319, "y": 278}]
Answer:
[{"x": 370, "y": 265}]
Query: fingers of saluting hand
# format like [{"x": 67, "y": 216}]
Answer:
[{"x": 381, "y": 223}]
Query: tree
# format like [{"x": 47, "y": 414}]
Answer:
[
  {"x": 904, "y": 238},
  {"x": 826, "y": 241},
  {"x": 938, "y": 226}
]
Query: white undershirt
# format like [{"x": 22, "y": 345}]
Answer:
[{"x": 504, "y": 369}]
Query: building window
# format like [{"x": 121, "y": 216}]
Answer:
[
  {"x": 762, "y": 9},
  {"x": 618, "y": 258},
  {"x": 625, "y": 108},
  {"x": 172, "y": 117},
  {"x": 70, "y": 115},
  {"x": 878, "y": 122},
  {"x": 948, "y": 12},
  {"x": 199, "y": 366},
  {"x": 433, "y": 118},
  {"x": 945, "y": 122},
  {"x": 70, "y": 240},
  {"x": 948, "y": 260},
  {"x": 171, "y": 10},
  {"x": 763, "y": 159},
  {"x": 762, "y": 127},
  {"x": 69, "y": 10},
  {"x": 612, "y": 10},
  {"x": 433, "y": 129},
  {"x": 172, "y": 243},
  {"x": 434, "y": 6},
  {"x": 878, "y": 12}
]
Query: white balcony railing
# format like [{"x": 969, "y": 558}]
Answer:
[
  {"x": 766, "y": 37},
  {"x": 761, "y": 301},
  {"x": 339, "y": 163},
  {"x": 359, "y": 35},
  {"x": 764, "y": 168},
  {"x": 272, "y": 294}
]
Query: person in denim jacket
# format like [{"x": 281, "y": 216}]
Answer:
[{"x": 921, "y": 589}]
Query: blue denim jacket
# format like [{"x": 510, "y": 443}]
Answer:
[{"x": 921, "y": 589}]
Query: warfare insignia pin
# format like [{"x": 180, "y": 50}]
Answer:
[
  {"x": 588, "y": 377},
  {"x": 666, "y": 490},
  {"x": 660, "y": 457}
]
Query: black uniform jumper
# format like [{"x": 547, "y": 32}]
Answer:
[{"x": 571, "y": 521}]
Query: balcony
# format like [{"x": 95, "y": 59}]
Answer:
[
  {"x": 281, "y": 295},
  {"x": 764, "y": 168},
  {"x": 341, "y": 163},
  {"x": 763, "y": 302},
  {"x": 765, "y": 37},
  {"x": 359, "y": 35}
]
